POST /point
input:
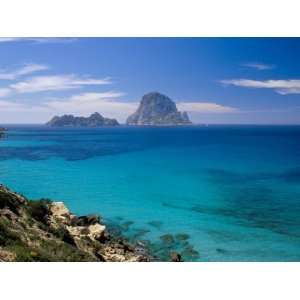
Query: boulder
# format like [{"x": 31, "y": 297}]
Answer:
[
  {"x": 94, "y": 232},
  {"x": 58, "y": 209}
]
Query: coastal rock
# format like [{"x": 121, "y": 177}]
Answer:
[
  {"x": 94, "y": 232},
  {"x": 175, "y": 257},
  {"x": 58, "y": 213},
  {"x": 7, "y": 256},
  {"x": 85, "y": 220},
  {"x": 13, "y": 202},
  {"x": 94, "y": 120},
  {"x": 58, "y": 209},
  {"x": 44, "y": 231},
  {"x": 157, "y": 109}
]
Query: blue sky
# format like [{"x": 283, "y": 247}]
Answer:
[{"x": 217, "y": 80}]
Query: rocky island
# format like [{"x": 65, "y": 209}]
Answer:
[
  {"x": 94, "y": 120},
  {"x": 47, "y": 231},
  {"x": 158, "y": 109}
]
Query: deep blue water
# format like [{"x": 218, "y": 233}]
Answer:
[{"x": 235, "y": 190}]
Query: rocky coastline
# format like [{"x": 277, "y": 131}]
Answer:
[{"x": 44, "y": 230}]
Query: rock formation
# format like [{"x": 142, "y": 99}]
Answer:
[
  {"x": 47, "y": 231},
  {"x": 94, "y": 120},
  {"x": 157, "y": 109}
]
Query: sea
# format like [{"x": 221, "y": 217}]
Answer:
[{"x": 210, "y": 193}]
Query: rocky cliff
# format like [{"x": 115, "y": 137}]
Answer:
[
  {"x": 157, "y": 109},
  {"x": 47, "y": 231},
  {"x": 94, "y": 120}
]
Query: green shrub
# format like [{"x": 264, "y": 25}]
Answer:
[
  {"x": 39, "y": 210},
  {"x": 8, "y": 200},
  {"x": 7, "y": 236}
]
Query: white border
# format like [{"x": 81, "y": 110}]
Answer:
[
  {"x": 151, "y": 281},
  {"x": 47, "y": 18},
  {"x": 149, "y": 18}
]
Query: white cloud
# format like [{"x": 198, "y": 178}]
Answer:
[
  {"x": 10, "y": 106},
  {"x": 39, "y": 40},
  {"x": 283, "y": 87},
  {"x": 25, "y": 70},
  {"x": 16, "y": 112},
  {"x": 55, "y": 83},
  {"x": 258, "y": 66},
  {"x": 4, "y": 92},
  {"x": 205, "y": 107}
]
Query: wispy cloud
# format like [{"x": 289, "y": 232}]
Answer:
[
  {"x": 38, "y": 40},
  {"x": 4, "y": 92},
  {"x": 283, "y": 87},
  {"x": 55, "y": 83},
  {"x": 205, "y": 107},
  {"x": 258, "y": 66},
  {"x": 10, "y": 106},
  {"x": 24, "y": 70}
]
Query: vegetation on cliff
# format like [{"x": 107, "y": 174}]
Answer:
[{"x": 46, "y": 231}]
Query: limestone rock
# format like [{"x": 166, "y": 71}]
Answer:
[
  {"x": 6, "y": 255},
  {"x": 96, "y": 231},
  {"x": 59, "y": 209}
]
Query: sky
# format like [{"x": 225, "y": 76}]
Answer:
[{"x": 216, "y": 80}]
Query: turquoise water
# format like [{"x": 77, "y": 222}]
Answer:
[{"x": 233, "y": 189}]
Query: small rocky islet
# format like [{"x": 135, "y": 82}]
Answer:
[
  {"x": 158, "y": 109},
  {"x": 94, "y": 120}
]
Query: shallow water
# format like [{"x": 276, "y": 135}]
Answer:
[{"x": 232, "y": 190}]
